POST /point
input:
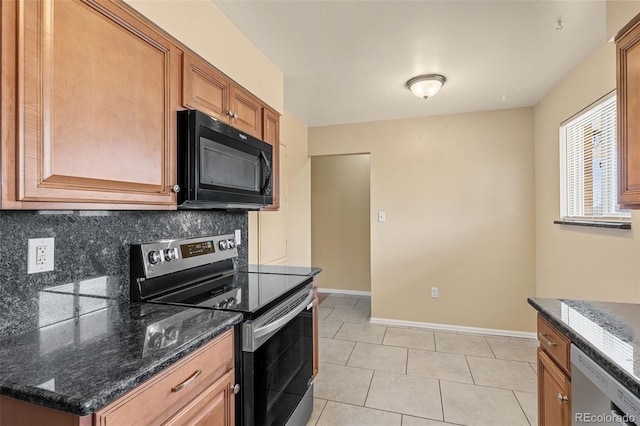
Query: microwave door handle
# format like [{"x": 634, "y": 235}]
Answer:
[{"x": 268, "y": 174}]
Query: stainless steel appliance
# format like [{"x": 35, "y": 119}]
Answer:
[
  {"x": 598, "y": 398},
  {"x": 220, "y": 167},
  {"x": 274, "y": 344}
]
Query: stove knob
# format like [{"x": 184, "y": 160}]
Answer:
[
  {"x": 155, "y": 340},
  {"x": 223, "y": 244},
  {"x": 232, "y": 302},
  {"x": 170, "y": 254},
  {"x": 154, "y": 257},
  {"x": 171, "y": 333},
  {"x": 232, "y": 243},
  {"x": 223, "y": 304}
]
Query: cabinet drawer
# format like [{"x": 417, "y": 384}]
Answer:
[
  {"x": 160, "y": 397},
  {"x": 553, "y": 342}
]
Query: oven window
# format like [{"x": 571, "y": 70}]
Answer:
[
  {"x": 224, "y": 166},
  {"x": 279, "y": 373}
]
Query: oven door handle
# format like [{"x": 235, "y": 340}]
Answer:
[{"x": 275, "y": 325}]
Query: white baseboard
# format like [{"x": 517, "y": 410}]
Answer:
[
  {"x": 351, "y": 292},
  {"x": 457, "y": 328}
]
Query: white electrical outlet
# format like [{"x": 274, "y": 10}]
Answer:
[
  {"x": 434, "y": 292},
  {"x": 238, "y": 237},
  {"x": 40, "y": 255},
  {"x": 382, "y": 217}
]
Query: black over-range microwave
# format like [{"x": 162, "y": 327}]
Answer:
[{"x": 220, "y": 167}]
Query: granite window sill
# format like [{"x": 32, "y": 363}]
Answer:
[{"x": 594, "y": 224}]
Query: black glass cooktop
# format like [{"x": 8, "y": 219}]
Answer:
[
  {"x": 240, "y": 292},
  {"x": 281, "y": 269}
]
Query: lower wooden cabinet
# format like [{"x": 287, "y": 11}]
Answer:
[
  {"x": 213, "y": 407},
  {"x": 316, "y": 360},
  {"x": 554, "y": 380},
  {"x": 198, "y": 390},
  {"x": 554, "y": 393}
]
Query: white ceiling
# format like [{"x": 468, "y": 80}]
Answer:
[{"x": 348, "y": 61}]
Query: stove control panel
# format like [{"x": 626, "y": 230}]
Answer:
[{"x": 168, "y": 256}]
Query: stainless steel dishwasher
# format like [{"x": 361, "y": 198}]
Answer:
[{"x": 598, "y": 398}]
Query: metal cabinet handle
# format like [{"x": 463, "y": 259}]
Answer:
[
  {"x": 230, "y": 113},
  {"x": 186, "y": 382},
  {"x": 543, "y": 336},
  {"x": 175, "y": 188},
  {"x": 563, "y": 399},
  {"x": 235, "y": 388}
]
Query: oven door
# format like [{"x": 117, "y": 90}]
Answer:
[{"x": 278, "y": 370}]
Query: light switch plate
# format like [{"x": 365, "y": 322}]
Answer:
[
  {"x": 382, "y": 217},
  {"x": 238, "y": 237},
  {"x": 40, "y": 255}
]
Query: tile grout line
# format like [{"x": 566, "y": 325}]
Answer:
[
  {"x": 364, "y": 404},
  {"x": 490, "y": 348},
  {"x": 441, "y": 400},
  {"x": 326, "y": 401},
  {"x": 520, "y": 405},
  {"x": 469, "y": 367}
]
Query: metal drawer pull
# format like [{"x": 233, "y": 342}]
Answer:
[
  {"x": 543, "y": 336},
  {"x": 563, "y": 399},
  {"x": 186, "y": 382},
  {"x": 235, "y": 388}
]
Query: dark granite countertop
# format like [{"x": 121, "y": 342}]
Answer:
[
  {"x": 81, "y": 361},
  {"x": 609, "y": 333}
]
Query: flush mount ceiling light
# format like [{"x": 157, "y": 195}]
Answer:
[{"x": 425, "y": 86}]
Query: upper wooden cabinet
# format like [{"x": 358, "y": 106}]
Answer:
[
  {"x": 628, "y": 95},
  {"x": 271, "y": 134},
  {"x": 204, "y": 88},
  {"x": 89, "y": 106},
  {"x": 208, "y": 90}
]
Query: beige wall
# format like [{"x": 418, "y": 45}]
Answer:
[
  {"x": 576, "y": 262},
  {"x": 201, "y": 26},
  {"x": 284, "y": 237},
  {"x": 340, "y": 206},
  {"x": 459, "y": 199}
]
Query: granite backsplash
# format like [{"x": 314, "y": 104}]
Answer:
[{"x": 91, "y": 252}]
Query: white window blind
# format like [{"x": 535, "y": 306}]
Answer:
[{"x": 589, "y": 164}]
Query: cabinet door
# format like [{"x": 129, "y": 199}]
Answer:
[
  {"x": 271, "y": 134},
  {"x": 213, "y": 407},
  {"x": 247, "y": 112},
  {"x": 554, "y": 393},
  {"x": 204, "y": 88},
  {"x": 316, "y": 358},
  {"x": 628, "y": 93},
  {"x": 96, "y": 99}
]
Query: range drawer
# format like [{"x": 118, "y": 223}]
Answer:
[
  {"x": 160, "y": 397},
  {"x": 554, "y": 343}
]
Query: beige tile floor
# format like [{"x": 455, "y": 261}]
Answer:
[{"x": 372, "y": 375}]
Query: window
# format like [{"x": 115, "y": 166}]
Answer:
[{"x": 588, "y": 164}]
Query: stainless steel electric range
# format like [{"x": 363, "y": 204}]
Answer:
[{"x": 274, "y": 343}]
